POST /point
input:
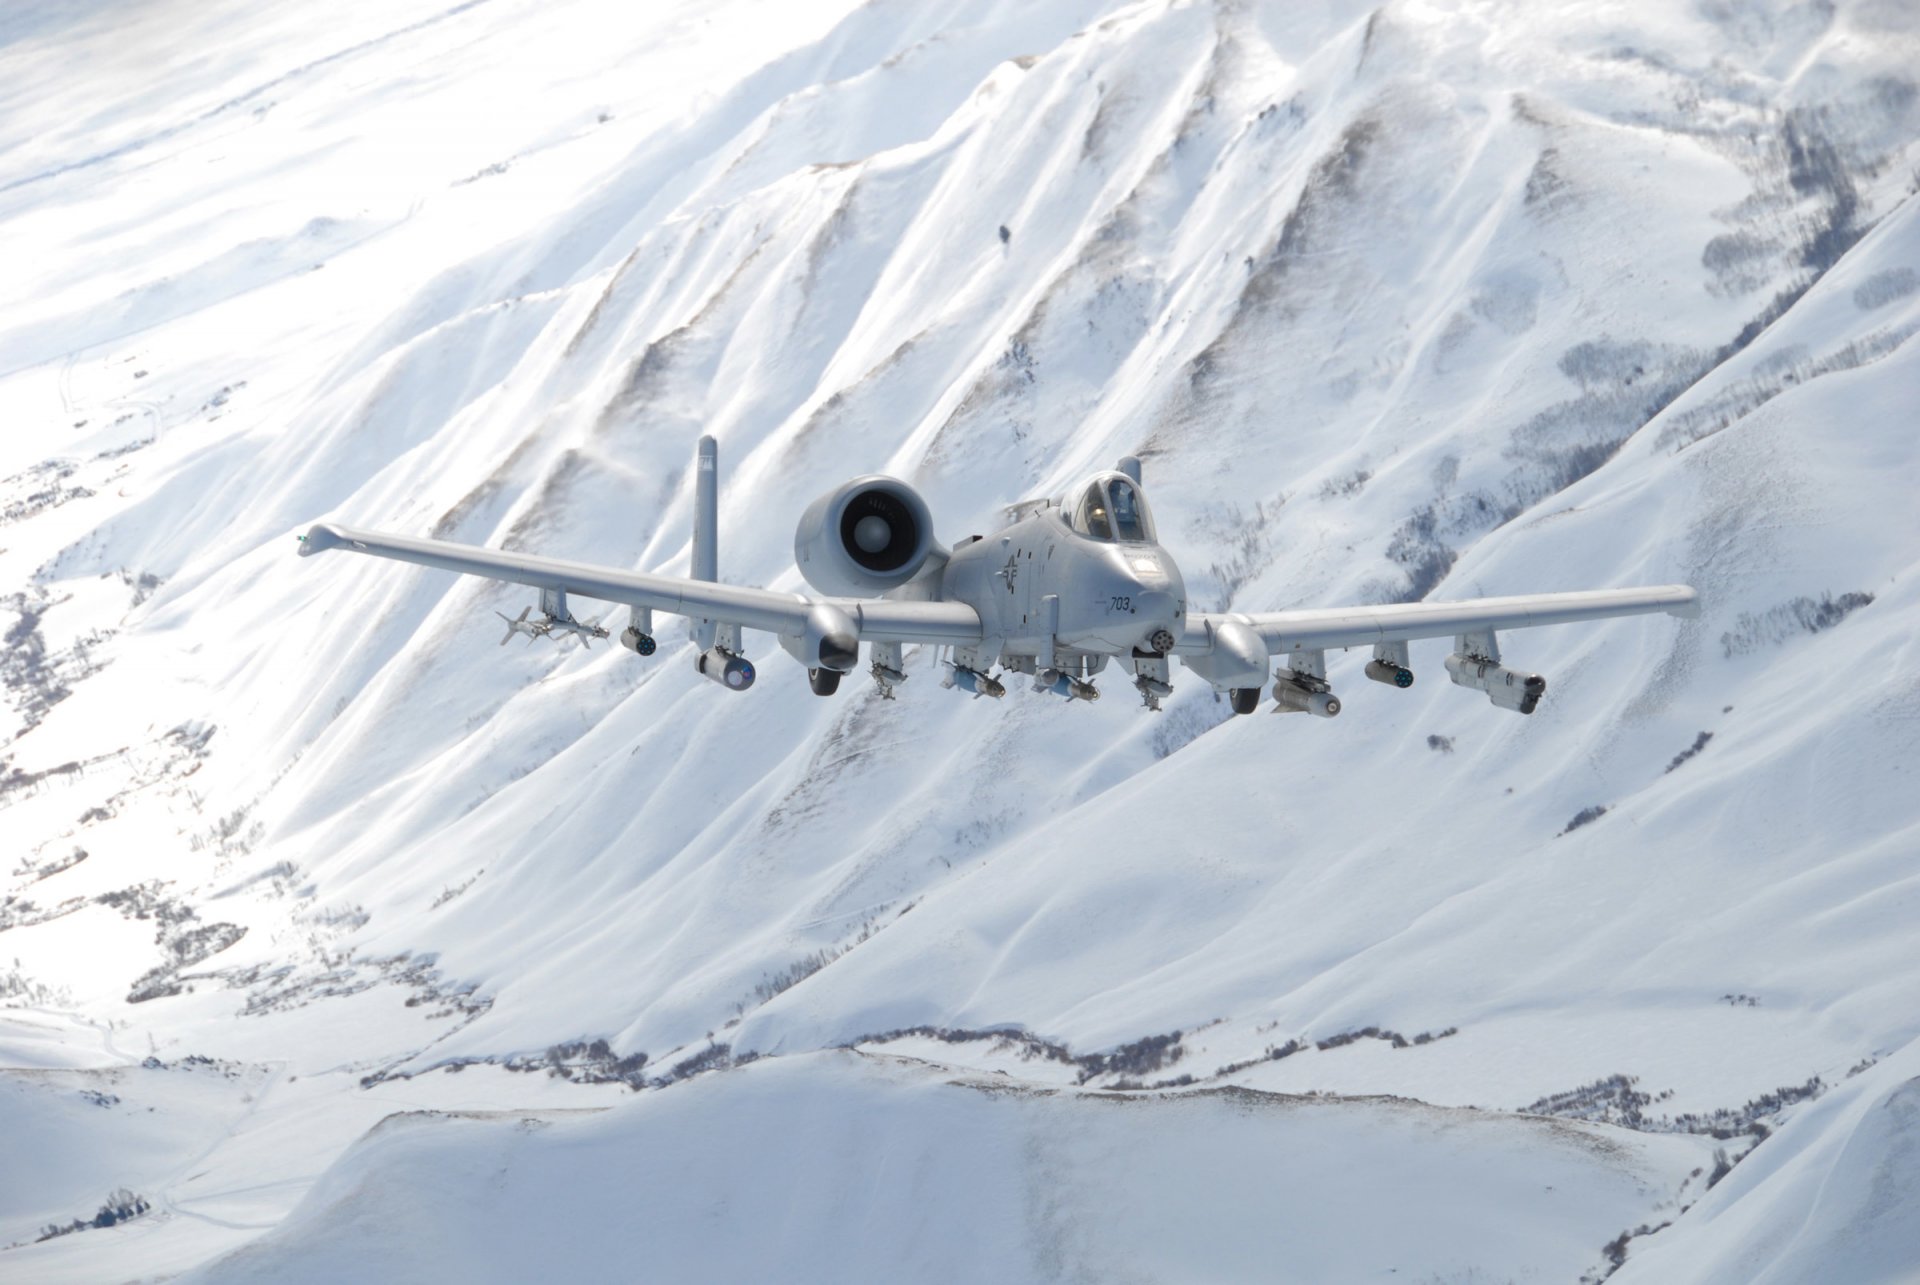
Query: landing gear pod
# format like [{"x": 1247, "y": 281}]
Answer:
[
  {"x": 829, "y": 646},
  {"x": 732, "y": 672},
  {"x": 1237, "y": 658},
  {"x": 832, "y": 641}
]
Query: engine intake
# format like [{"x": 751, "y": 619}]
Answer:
[{"x": 865, "y": 537}]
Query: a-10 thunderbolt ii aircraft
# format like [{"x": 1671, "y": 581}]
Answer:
[{"x": 1062, "y": 590}]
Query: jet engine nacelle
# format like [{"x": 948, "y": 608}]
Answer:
[
  {"x": 865, "y": 537},
  {"x": 1507, "y": 688}
]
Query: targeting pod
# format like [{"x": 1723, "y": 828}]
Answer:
[
  {"x": 1507, "y": 688},
  {"x": 1298, "y": 700},
  {"x": 1302, "y": 688},
  {"x": 732, "y": 672}
]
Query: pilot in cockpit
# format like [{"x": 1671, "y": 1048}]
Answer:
[
  {"x": 1113, "y": 508},
  {"x": 1093, "y": 514},
  {"x": 1126, "y": 510}
]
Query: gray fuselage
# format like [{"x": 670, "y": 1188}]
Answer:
[{"x": 1113, "y": 594}]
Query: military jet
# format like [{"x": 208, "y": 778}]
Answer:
[{"x": 1062, "y": 590}]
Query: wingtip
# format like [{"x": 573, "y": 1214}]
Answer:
[
  {"x": 1687, "y": 603},
  {"x": 319, "y": 538}
]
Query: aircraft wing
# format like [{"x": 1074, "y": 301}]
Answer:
[
  {"x": 779, "y": 613},
  {"x": 1329, "y": 628}
]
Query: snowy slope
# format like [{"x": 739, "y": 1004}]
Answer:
[
  {"x": 1832, "y": 1198},
  {"x": 859, "y": 1169},
  {"x": 1423, "y": 300}
]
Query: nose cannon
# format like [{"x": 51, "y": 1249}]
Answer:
[{"x": 1160, "y": 617}]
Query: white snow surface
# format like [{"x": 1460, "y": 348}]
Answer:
[
  {"x": 899, "y": 1172},
  {"x": 356, "y": 946}
]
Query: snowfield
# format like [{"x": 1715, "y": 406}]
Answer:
[
  {"x": 896, "y": 1171},
  {"x": 337, "y": 942}
]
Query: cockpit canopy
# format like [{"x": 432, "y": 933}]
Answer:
[{"x": 1111, "y": 507}]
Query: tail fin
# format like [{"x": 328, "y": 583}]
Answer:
[
  {"x": 511, "y": 631},
  {"x": 706, "y": 534}
]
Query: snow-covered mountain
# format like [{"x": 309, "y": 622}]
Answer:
[{"x": 339, "y": 943}]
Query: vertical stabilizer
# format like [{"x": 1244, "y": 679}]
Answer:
[
  {"x": 706, "y": 492},
  {"x": 706, "y": 537}
]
